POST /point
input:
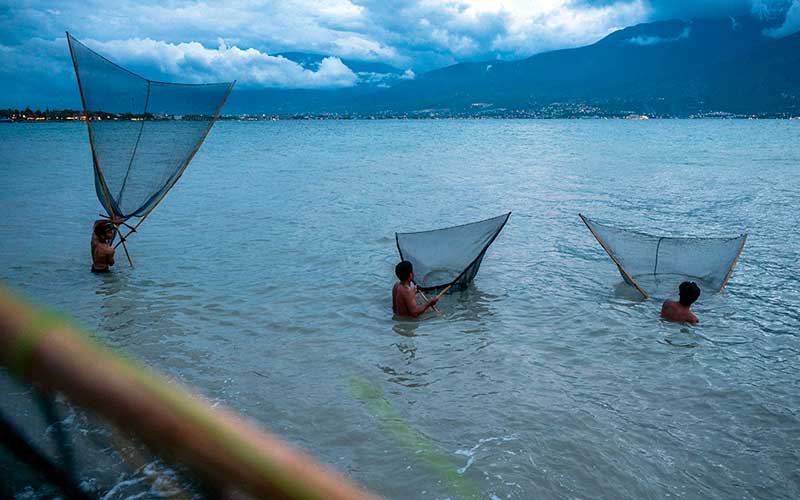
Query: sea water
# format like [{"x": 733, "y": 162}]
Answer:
[{"x": 263, "y": 282}]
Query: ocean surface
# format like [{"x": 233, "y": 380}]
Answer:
[{"x": 263, "y": 282}]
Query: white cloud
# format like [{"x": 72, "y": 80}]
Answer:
[
  {"x": 553, "y": 25},
  {"x": 358, "y": 47},
  {"x": 653, "y": 40},
  {"x": 192, "y": 62},
  {"x": 791, "y": 23}
]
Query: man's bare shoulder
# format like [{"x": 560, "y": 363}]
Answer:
[
  {"x": 673, "y": 311},
  {"x": 400, "y": 290}
]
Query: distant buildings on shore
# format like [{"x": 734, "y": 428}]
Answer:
[{"x": 475, "y": 111}]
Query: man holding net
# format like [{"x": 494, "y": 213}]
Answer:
[
  {"x": 404, "y": 296},
  {"x": 102, "y": 251},
  {"x": 680, "y": 312}
]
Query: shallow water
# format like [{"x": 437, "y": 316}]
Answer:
[{"x": 263, "y": 281}]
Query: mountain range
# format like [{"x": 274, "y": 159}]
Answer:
[{"x": 666, "y": 68}]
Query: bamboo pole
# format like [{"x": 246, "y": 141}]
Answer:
[
  {"x": 425, "y": 298},
  {"x": 733, "y": 266},
  {"x": 124, "y": 247},
  {"x": 231, "y": 454},
  {"x": 439, "y": 296}
]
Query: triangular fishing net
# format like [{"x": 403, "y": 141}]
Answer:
[
  {"x": 143, "y": 133},
  {"x": 656, "y": 265},
  {"x": 451, "y": 255}
]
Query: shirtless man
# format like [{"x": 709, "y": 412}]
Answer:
[
  {"x": 680, "y": 312},
  {"x": 404, "y": 297},
  {"x": 102, "y": 251}
]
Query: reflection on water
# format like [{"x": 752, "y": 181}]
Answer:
[
  {"x": 264, "y": 281},
  {"x": 622, "y": 290},
  {"x": 406, "y": 327}
]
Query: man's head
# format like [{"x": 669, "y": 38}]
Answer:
[
  {"x": 689, "y": 292},
  {"x": 404, "y": 270},
  {"x": 104, "y": 231}
]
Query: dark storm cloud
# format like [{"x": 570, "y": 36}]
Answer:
[{"x": 689, "y": 9}]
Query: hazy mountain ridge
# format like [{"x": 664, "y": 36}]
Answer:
[{"x": 674, "y": 68}]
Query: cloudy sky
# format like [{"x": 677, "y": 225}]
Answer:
[{"x": 209, "y": 41}]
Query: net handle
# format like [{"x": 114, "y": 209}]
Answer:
[
  {"x": 733, "y": 266},
  {"x": 608, "y": 251},
  {"x": 438, "y": 296},
  {"x": 425, "y": 298}
]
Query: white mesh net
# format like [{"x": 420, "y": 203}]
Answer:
[
  {"x": 143, "y": 133},
  {"x": 451, "y": 255},
  {"x": 656, "y": 265}
]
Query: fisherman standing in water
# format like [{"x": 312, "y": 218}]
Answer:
[
  {"x": 102, "y": 251},
  {"x": 680, "y": 312},
  {"x": 404, "y": 297}
]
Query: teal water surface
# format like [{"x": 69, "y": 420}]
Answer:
[{"x": 263, "y": 282}]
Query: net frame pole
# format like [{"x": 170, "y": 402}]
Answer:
[
  {"x": 608, "y": 251},
  {"x": 124, "y": 246},
  {"x": 186, "y": 163},
  {"x": 733, "y": 266},
  {"x": 439, "y": 295},
  {"x": 97, "y": 168},
  {"x": 425, "y": 298}
]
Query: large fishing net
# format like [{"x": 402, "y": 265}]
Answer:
[
  {"x": 449, "y": 256},
  {"x": 143, "y": 133},
  {"x": 656, "y": 265}
]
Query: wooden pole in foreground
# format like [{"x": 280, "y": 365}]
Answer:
[{"x": 222, "y": 449}]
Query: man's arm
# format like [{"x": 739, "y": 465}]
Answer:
[
  {"x": 108, "y": 252},
  {"x": 665, "y": 307},
  {"x": 413, "y": 309}
]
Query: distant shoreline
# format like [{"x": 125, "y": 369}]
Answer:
[{"x": 69, "y": 115}]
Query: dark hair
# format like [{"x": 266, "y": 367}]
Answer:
[
  {"x": 100, "y": 229},
  {"x": 403, "y": 270},
  {"x": 689, "y": 292}
]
